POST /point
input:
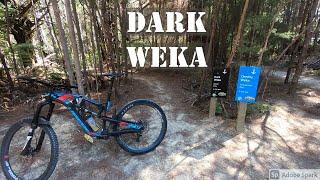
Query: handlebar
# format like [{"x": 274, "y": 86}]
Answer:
[
  {"x": 45, "y": 83},
  {"x": 113, "y": 75}
]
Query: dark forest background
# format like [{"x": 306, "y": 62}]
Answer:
[{"x": 78, "y": 40}]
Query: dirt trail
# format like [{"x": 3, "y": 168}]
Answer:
[
  {"x": 310, "y": 81},
  {"x": 195, "y": 147}
]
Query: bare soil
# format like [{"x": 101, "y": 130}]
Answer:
[{"x": 195, "y": 147}]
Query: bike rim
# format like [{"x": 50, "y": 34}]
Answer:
[
  {"x": 33, "y": 164},
  {"x": 152, "y": 121}
]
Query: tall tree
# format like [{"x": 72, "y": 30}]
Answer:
[
  {"x": 6, "y": 69},
  {"x": 107, "y": 30},
  {"x": 210, "y": 48},
  {"x": 22, "y": 27},
  {"x": 311, "y": 9},
  {"x": 97, "y": 35},
  {"x": 52, "y": 31},
  {"x": 64, "y": 43},
  {"x": 16, "y": 69},
  {"x": 236, "y": 39},
  {"x": 80, "y": 42},
  {"x": 74, "y": 46},
  {"x": 123, "y": 25}
]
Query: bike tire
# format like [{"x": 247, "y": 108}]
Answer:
[
  {"x": 6, "y": 144},
  {"x": 162, "y": 133}
]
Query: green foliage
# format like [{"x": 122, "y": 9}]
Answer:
[
  {"x": 218, "y": 109},
  {"x": 247, "y": 49},
  {"x": 138, "y": 43},
  {"x": 25, "y": 53},
  {"x": 259, "y": 22},
  {"x": 54, "y": 73},
  {"x": 316, "y": 72},
  {"x": 2, "y": 27},
  {"x": 2, "y": 16},
  {"x": 286, "y": 36},
  {"x": 258, "y": 108},
  {"x": 56, "y": 76},
  {"x": 3, "y": 23}
]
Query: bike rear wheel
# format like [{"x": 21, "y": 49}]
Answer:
[
  {"x": 153, "y": 120},
  {"x": 33, "y": 160}
]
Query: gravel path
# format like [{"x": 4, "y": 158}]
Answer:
[{"x": 312, "y": 82}]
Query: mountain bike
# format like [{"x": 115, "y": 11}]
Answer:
[{"x": 30, "y": 147}]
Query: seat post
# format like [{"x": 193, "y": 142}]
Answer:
[
  {"x": 110, "y": 89},
  {"x": 109, "y": 94}
]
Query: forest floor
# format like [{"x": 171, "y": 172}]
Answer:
[{"x": 195, "y": 147}]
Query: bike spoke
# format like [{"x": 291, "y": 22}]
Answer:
[
  {"x": 34, "y": 163},
  {"x": 151, "y": 120}
]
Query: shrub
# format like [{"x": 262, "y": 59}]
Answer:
[{"x": 258, "y": 108}]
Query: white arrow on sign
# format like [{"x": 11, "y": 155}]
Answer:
[
  {"x": 254, "y": 71},
  {"x": 224, "y": 71}
]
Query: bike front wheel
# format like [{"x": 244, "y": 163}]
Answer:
[
  {"x": 28, "y": 153},
  {"x": 154, "y": 122}
]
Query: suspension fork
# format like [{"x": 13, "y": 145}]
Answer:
[
  {"x": 50, "y": 111},
  {"x": 35, "y": 121},
  {"x": 34, "y": 125}
]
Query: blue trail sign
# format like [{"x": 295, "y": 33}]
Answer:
[{"x": 248, "y": 80}]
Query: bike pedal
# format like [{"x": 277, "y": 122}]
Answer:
[{"x": 88, "y": 138}]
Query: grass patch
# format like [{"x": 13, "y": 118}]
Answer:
[
  {"x": 316, "y": 72},
  {"x": 258, "y": 108}
]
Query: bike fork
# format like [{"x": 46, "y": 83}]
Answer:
[
  {"x": 42, "y": 135},
  {"x": 39, "y": 145},
  {"x": 26, "y": 148}
]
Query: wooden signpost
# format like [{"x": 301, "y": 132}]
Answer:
[{"x": 246, "y": 92}]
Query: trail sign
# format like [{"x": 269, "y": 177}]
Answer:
[
  {"x": 247, "y": 85},
  {"x": 220, "y": 80}
]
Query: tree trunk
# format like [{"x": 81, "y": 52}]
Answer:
[
  {"x": 107, "y": 31},
  {"x": 80, "y": 42},
  {"x": 116, "y": 43},
  {"x": 39, "y": 37},
  {"x": 264, "y": 48},
  {"x": 124, "y": 23},
  {"x": 94, "y": 20},
  {"x": 94, "y": 55},
  {"x": 317, "y": 32},
  {"x": 74, "y": 47},
  {"x": 299, "y": 68},
  {"x": 52, "y": 39},
  {"x": 236, "y": 39},
  {"x": 22, "y": 27},
  {"x": 63, "y": 40},
  {"x": 279, "y": 58},
  {"x": 286, "y": 80},
  {"x": 16, "y": 69},
  {"x": 209, "y": 48},
  {"x": 53, "y": 33},
  {"x": 6, "y": 69}
]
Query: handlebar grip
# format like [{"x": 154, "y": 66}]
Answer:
[
  {"x": 73, "y": 87},
  {"x": 66, "y": 86},
  {"x": 114, "y": 75},
  {"x": 25, "y": 78}
]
